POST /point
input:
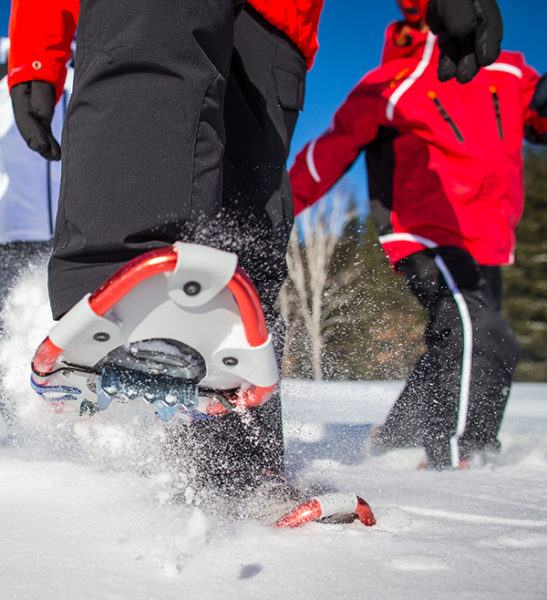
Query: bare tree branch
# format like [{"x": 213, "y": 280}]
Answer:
[{"x": 312, "y": 246}]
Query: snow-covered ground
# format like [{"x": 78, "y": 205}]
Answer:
[{"x": 86, "y": 509}]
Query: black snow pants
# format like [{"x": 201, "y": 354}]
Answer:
[
  {"x": 179, "y": 128},
  {"x": 454, "y": 400}
]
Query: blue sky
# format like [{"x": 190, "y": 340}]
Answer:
[{"x": 351, "y": 37}]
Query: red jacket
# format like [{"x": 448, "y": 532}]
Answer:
[
  {"x": 444, "y": 160},
  {"x": 41, "y": 32},
  {"x": 297, "y": 19}
]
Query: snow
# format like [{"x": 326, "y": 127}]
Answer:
[{"x": 87, "y": 510}]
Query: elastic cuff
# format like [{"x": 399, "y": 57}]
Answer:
[{"x": 37, "y": 71}]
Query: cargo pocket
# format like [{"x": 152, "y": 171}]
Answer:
[{"x": 290, "y": 94}]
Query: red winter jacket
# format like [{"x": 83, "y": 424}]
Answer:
[
  {"x": 444, "y": 160},
  {"x": 41, "y": 32},
  {"x": 297, "y": 19}
]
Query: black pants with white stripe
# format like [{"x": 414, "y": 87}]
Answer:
[
  {"x": 454, "y": 400},
  {"x": 179, "y": 128}
]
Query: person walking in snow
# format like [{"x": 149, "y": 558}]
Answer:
[
  {"x": 446, "y": 193},
  {"x": 179, "y": 128}
]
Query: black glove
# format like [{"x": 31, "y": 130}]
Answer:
[
  {"x": 33, "y": 105},
  {"x": 539, "y": 100},
  {"x": 470, "y": 34}
]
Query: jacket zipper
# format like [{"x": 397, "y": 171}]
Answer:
[
  {"x": 442, "y": 111},
  {"x": 496, "y": 101}
]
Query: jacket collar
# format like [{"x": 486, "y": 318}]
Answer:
[{"x": 413, "y": 46}]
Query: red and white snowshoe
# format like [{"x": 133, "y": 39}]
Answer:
[
  {"x": 180, "y": 328},
  {"x": 334, "y": 508}
]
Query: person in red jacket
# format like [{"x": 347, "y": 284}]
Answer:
[
  {"x": 178, "y": 129},
  {"x": 446, "y": 193}
]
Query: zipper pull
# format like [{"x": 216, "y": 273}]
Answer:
[
  {"x": 495, "y": 99},
  {"x": 442, "y": 111}
]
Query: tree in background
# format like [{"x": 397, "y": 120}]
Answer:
[
  {"x": 349, "y": 316},
  {"x": 311, "y": 296},
  {"x": 525, "y": 282},
  {"x": 384, "y": 338}
]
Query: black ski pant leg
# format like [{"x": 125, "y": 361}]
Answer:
[
  {"x": 143, "y": 137},
  {"x": 472, "y": 353},
  {"x": 264, "y": 95},
  {"x": 492, "y": 276},
  {"x": 404, "y": 426}
]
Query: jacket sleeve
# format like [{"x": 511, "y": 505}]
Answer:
[
  {"x": 41, "y": 33},
  {"x": 322, "y": 162},
  {"x": 535, "y": 127}
]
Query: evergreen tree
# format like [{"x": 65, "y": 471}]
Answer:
[
  {"x": 372, "y": 325},
  {"x": 525, "y": 282},
  {"x": 384, "y": 336}
]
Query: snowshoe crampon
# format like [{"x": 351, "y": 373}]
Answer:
[
  {"x": 180, "y": 328},
  {"x": 331, "y": 508}
]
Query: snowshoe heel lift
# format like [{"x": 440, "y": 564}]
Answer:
[{"x": 180, "y": 327}]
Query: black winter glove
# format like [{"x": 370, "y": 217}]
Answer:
[
  {"x": 470, "y": 34},
  {"x": 539, "y": 99},
  {"x": 33, "y": 105}
]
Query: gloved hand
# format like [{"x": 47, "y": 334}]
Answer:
[
  {"x": 33, "y": 105},
  {"x": 470, "y": 34},
  {"x": 539, "y": 99}
]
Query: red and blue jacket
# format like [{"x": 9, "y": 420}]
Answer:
[{"x": 444, "y": 159}]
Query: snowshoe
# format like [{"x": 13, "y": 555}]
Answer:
[
  {"x": 179, "y": 329},
  {"x": 331, "y": 508},
  {"x": 274, "y": 500}
]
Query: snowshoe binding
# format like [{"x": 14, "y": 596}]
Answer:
[{"x": 179, "y": 329}]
